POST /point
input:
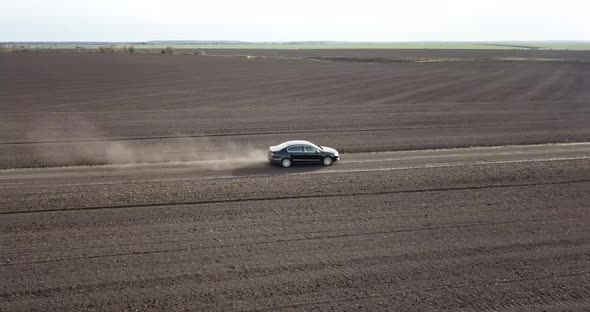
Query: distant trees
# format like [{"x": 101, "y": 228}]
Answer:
[
  {"x": 167, "y": 50},
  {"x": 106, "y": 49},
  {"x": 132, "y": 50},
  {"x": 14, "y": 48},
  {"x": 115, "y": 49}
]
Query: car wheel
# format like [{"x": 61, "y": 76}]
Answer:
[
  {"x": 327, "y": 161},
  {"x": 286, "y": 163}
]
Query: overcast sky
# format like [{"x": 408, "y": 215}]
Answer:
[{"x": 276, "y": 20}]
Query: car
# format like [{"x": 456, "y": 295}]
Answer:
[{"x": 287, "y": 153}]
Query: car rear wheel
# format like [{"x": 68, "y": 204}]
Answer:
[
  {"x": 327, "y": 161},
  {"x": 286, "y": 163}
]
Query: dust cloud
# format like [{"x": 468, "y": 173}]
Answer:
[
  {"x": 82, "y": 143},
  {"x": 219, "y": 155}
]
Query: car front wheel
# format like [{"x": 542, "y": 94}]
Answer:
[
  {"x": 327, "y": 161},
  {"x": 286, "y": 163}
]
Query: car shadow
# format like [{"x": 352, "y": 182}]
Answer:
[{"x": 270, "y": 169}]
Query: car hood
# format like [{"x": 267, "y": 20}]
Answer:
[{"x": 330, "y": 150}]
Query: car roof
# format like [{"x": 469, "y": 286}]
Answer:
[
  {"x": 296, "y": 142},
  {"x": 290, "y": 143}
]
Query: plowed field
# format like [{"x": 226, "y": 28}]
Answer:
[{"x": 182, "y": 212}]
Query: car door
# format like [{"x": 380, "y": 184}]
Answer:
[
  {"x": 296, "y": 153},
  {"x": 311, "y": 153}
]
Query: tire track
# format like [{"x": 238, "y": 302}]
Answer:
[
  {"x": 282, "y": 268},
  {"x": 281, "y": 241},
  {"x": 212, "y": 135},
  {"x": 281, "y": 233},
  {"x": 419, "y": 290},
  {"x": 200, "y": 202}
]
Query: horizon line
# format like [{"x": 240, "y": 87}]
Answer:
[{"x": 288, "y": 41}]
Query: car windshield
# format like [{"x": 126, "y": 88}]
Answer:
[{"x": 316, "y": 146}]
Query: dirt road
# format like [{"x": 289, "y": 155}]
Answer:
[{"x": 501, "y": 228}]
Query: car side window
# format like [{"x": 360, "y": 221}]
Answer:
[
  {"x": 295, "y": 149},
  {"x": 309, "y": 149}
]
